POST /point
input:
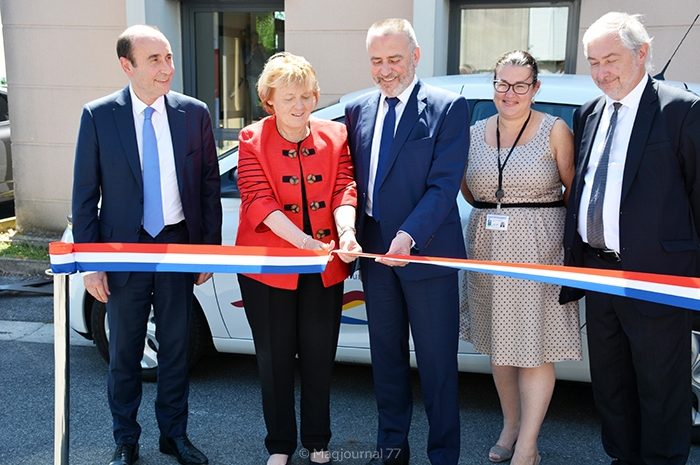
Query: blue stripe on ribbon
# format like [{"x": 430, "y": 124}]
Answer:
[
  {"x": 188, "y": 268},
  {"x": 64, "y": 268}
]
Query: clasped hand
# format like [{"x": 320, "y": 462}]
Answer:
[{"x": 401, "y": 245}]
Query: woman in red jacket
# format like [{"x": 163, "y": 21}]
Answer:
[{"x": 298, "y": 191}]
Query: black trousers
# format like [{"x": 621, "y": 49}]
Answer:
[
  {"x": 128, "y": 308},
  {"x": 640, "y": 370},
  {"x": 286, "y": 324}
]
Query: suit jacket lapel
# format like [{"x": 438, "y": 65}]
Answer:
[
  {"x": 176, "y": 121},
  {"x": 415, "y": 105},
  {"x": 590, "y": 128},
  {"x": 124, "y": 121},
  {"x": 640, "y": 133},
  {"x": 368, "y": 116}
]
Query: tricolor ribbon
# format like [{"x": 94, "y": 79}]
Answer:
[
  {"x": 70, "y": 258},
  {"x": 679, "y": 291}
]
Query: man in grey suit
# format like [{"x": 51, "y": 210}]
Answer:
[{"x": 635, "y": 206}]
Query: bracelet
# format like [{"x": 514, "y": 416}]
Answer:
[
  {"x": 303, "y": 243},
  {"x": 345, "y": 229}
]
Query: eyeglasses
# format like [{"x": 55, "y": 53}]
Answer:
[{"x": 519, "y": 88}]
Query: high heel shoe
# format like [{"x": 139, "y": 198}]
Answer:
[{"x": 498, "y": 454}]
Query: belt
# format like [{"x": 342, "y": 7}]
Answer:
[
  {"x": 558, "y": 203},
  {"x": 607, "y": 255},
  {"x": 169, "y": 227}
]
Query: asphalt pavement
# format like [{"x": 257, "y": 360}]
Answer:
[{"x": 225, "y": 411}]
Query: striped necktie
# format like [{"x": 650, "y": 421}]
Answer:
[{"x": 594, "y": 218}]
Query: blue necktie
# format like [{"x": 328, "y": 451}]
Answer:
[
  {"x": 594, "y": 218},
  {"x": 385, "y": 144},
  {"x": 153, "y": 221}
]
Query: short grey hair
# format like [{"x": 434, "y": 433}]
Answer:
[
  {"x": 629, "y": 29},
  {"x": 393, "y": 26}
]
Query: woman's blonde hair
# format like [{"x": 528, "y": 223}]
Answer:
[{"x": 285, "y": 69}]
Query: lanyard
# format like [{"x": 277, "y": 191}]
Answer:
[{"x": 499, "y": 191}]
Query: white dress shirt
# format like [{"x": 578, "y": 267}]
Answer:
[
  {"x": 616, "y": 165},
  {"x": 172, "y": 205},
  {"x": 377, "y": 137}
]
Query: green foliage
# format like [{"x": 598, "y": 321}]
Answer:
[
  {"x": 265, "y": 27},
  {"x": 24, "y": 251}
]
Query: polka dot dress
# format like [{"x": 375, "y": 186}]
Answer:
[{"x": 518, "y": 322}]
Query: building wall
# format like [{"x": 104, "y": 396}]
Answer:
[
  {"x": 335, "y": 46},
  {"x": 60, "y": 55},
  {"x": 73, "y": 61},
  {"x": 57, "y": 59}
]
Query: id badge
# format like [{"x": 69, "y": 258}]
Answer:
[{"x": 497, "y": 222}]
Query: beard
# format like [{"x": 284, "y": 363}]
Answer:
[{"x": 399, "y": 83}]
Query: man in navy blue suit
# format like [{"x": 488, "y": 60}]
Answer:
[
  {"x": 146, "y": 155},
  {"x": 409, "y": 143}
]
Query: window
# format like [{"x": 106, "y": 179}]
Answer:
[
  {"x": 225, "y": 54},
  {"x": 4, "y": 110},
  {"x": 482, "y": 32},
  {"x": 482, "y": 109}
]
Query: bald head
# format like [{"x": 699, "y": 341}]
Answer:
[{"x": 125, "y": 42}]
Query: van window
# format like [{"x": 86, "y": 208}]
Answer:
[
  {"x": 482, "y": 109},
  {"x": 4, "y": 111}
]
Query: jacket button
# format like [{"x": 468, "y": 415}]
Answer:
[
  {"x": 315, "y": 205},
  {"x": 321, "y": 233}
]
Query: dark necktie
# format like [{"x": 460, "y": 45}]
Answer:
[
  {"x": 385, "y": 144},
  {"x": 594, "y": 218},
  {"x": 153, "y": 221}
]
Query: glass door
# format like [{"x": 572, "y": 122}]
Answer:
[{"x": 227, "y": 52}]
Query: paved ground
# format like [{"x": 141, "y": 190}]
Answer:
[{"x": 226, "y": 417}]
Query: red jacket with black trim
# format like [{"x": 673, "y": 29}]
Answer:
[{"x": 270, "y": 172}]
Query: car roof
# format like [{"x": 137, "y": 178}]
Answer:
[
  {"x": 566, "y": 89},
  {"x": 573, "y": 89}
]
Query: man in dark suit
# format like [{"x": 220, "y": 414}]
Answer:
[
  {"x": 635, "y": 206},
  {"x": 409, "y": 142},
  {"x": 148, "y": 155}
]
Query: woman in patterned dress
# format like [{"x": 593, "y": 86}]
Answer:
[{"x": 519, "y": 160}]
